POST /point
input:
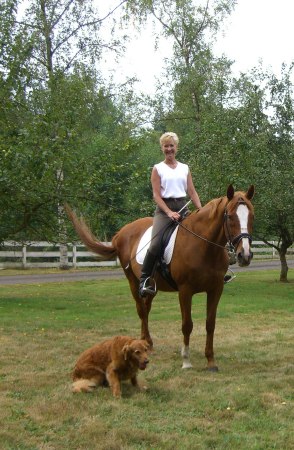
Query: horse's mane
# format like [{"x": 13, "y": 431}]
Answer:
[{"x": 213, "y": 206}]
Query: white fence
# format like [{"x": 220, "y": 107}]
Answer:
[{"x": 46, "y": 254}]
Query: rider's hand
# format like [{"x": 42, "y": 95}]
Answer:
[{"x": 174, "y": 215}]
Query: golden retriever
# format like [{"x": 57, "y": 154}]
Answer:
[{"x": 110, "y": 362}]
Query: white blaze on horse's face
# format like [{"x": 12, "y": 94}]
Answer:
[{"x": 243, "y": 214}]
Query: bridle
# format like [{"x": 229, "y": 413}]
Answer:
[{"x": 234, "y": 241}]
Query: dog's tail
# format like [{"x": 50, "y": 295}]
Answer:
[
  {"x": 83, "y": 385},
  {"x": 105, "y": 252}
]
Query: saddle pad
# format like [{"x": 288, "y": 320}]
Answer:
[{"x": 144, "y": 244}]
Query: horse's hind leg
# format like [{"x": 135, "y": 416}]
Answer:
[{"x": 187, "y": 326}]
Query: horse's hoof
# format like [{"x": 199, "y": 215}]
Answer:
[
  {"x": 212, "y": 369},
  {"x": 187, "y": 365}
]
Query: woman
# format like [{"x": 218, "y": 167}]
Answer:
[{"x": 171, "y": 181}]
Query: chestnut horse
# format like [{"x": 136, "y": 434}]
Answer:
[{"x": 199, "y": 262}]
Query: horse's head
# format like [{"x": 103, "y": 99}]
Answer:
[{"x": 238, "y": 223}]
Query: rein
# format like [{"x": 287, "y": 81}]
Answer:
[
  {"x": 229, "y": 247},
  {"x": 200, "y": 237},
  {"x": 232, "y": 242}
]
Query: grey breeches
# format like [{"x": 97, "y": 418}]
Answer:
[{"x": 161, "y": 221}]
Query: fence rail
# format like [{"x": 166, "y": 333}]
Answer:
[{"x": 46, "y": 254}]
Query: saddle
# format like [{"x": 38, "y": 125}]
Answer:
[
  {"x": 162, "y": 266},
  {"x": 167, "y": 246}
]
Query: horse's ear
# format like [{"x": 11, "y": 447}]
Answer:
[
  {"x": 250, "y": 192},
  {"x": 230, "y": 192}
]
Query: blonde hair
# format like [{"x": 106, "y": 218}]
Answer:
[{"x": 169, "y": 136}]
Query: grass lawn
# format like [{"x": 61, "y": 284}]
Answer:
[{"x": 247, "y": 405}]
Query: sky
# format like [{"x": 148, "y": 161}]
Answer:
[{"x": 256, "y": 30}]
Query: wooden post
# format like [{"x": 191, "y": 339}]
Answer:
[
  {"x": 74, "y": 256},
  {"x": 24, "y": 256},
  {"x": 63, "y": 258}
]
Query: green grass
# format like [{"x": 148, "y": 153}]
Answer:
[{"x": 247, "y": 405}]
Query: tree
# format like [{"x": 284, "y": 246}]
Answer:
[
  {"x": 228, "y": 134},
  {"x": 50, "y": 108},
  {"x": 196, "y": 84},
  {"x": 276, "y": 205}
]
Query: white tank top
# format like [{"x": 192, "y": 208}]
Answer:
[{"x": 173, "y": 182}]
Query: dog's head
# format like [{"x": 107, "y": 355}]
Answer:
[{"x": 137, "y": 353}]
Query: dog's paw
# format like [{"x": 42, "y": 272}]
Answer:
[
  {"x": 83, "y": 386},
  {"x": 91, "y": 387}
]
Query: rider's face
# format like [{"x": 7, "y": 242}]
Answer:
[{"x": 169, "y": 148}]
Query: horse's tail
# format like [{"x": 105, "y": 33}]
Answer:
[{"x": 104, "y": 251}]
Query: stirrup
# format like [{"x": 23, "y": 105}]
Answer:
[
  {"x": 229, "y": 277},
  {"x": 149, "y": 289}
]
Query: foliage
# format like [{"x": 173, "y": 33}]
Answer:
[
  {"x": 275, "y": 166},
  {"x": 50, "y": 142},
  {"x": 66, "y": 135},
  {"x": 232, "y": 130},
  {"x": 56, "y": 115}
]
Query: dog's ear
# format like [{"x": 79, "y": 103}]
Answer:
[{"x": 125, "y": 351}]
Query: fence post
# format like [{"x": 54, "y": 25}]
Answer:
[
  {"x": 63, "y": 258},
  {"x": 24, "y": 256},
  {"x": 74, "y": 256}
]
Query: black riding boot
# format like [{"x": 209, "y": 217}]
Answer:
[{"x": 146, "y": 285}]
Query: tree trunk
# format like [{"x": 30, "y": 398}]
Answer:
[
  {"x": 284, "y": 266},
  {"x": 63, "y": 263}
]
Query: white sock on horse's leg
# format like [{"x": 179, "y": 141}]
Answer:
[{"x": 186, "y": 357}]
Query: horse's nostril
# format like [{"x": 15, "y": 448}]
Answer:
[{"x": 244, "y": 259}]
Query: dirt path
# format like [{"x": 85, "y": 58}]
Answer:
[{"x": 62, "y": 277}]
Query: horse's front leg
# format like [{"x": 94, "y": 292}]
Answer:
[
  {"x": 212, "y": 303},
  {"x": 187, "y": 326},
  {"x": 143, "y": 309},
  {"x": 143, "y": 306}
]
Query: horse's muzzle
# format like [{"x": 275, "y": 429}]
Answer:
[{"x": 244, "y": 258}]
